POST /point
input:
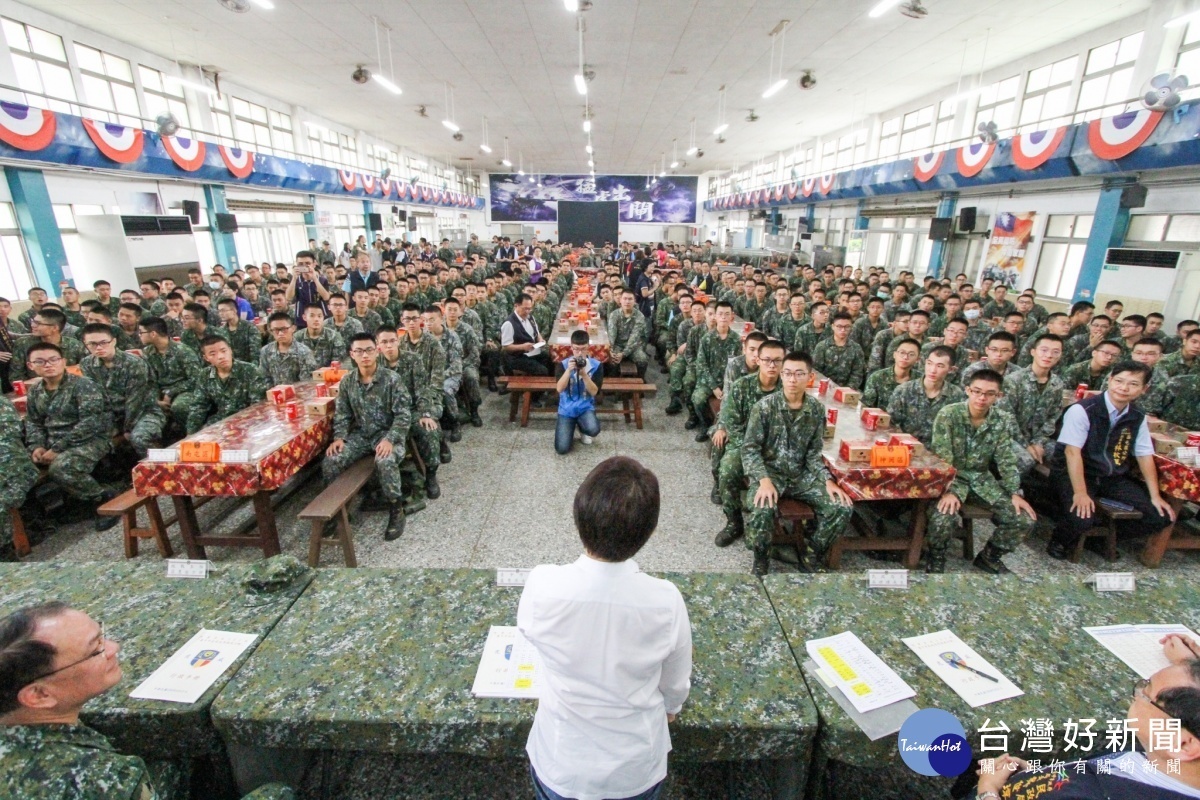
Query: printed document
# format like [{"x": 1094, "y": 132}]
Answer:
[
  {"x": 867, "y": 682},
  {"x": 509, "y": 666},
  {"x": 193, "y": 668},
  {"x": 964, "y": 670}
]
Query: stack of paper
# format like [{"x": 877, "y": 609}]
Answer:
[
  {"x": 509, "y": 666},
  {"x": 965, "y": 671},
  {"x": 188, "y": 673},
  {"x": 863, "y": 678},
  {"x": 1138, "y": 645}
]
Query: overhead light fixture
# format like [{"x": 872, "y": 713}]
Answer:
[
  {"x": 1192, "y": 16},
  {"x": 505, "y": 161},
  {"x": 387, "y": 81},
  {"x": 484, "y": 146},
  {"x": 724, "y": 126},
  {"x": 779, "y": 32},
  {"x": 588, "y": 148},
  {"x": 571, "y": 5},
  {"x": 448, "y": 123},
  {"x": 580, "y": 84},
  {"x": 591, "y": 163},
  {"x": 774, "y": 87},
  {"x": 674, "y": 154},
  {"x": 190, "y": 84},
  {"x": 266, "y": 5},
  {"x": 883, "y": 7},
  {"x": 587, "y": 126},
  {"x": 582, "y": 76}
]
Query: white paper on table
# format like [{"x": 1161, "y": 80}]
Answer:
[
  {"x": 860, "y": 674},
  {"x": 936, "y": 649},
  {"x": 193, "y": 668},
  {"x": 1137, "y": 645},
  {"x": 509, "y": 666}
]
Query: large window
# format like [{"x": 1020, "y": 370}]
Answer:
[
  {"x": 16, "y": 279},
  {"x": 917, "y": 132},
  {"x": 1062, "y": 255},
  {"x": 852, "y": 149},
  {"x": 1188, "y": 61},
  {"x": 164, "y": 97},
  {"x": 108, "y": 84},
  {"x": 1048, "y": 95},
  {"x": 41, "y": 66},
  {"x": 829, "y": 156},
  {"x": 944, "y": 132},
  {"x": 253, "y": 126},
  {"x": 335, "y": 149},
  {"x": 889, "y": 138},
  {"x": 1106, "y": 79},
  {"x": 998, "y": 104},
  {"x": 1177, "y": 229}
]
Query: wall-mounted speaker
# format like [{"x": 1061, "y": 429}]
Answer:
[
  {"x": 192, "y": 209},
  {"x": 226, "y": 223},
  {"x": 375, "y": 222},
  {"x": 966, "y": 219},
  {"x": 1134, "y": 196}
]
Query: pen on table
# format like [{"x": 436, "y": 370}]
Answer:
[{"x": 962, "y": 665}]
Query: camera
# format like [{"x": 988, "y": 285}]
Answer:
[{"x": 580, "y": 362}]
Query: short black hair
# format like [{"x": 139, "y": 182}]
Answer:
[
  {"x": 54, "y": 317},
  {"x": 800, "y": 356},
  {"x": 197, "y": 309},
  {"x": 1002, "y": 336},
  {"x": 616, "y": 508},
  {"x": 24, "y": 659},
  {"x": 155, "y": 325},
  {"x": 579, "y": 338},
  {"x": 774, "y": 344},
  {"x": 1045, "y": 337},
  {"x": 280, "y": 316},
  {"x": 1149, "y": 340},
  {"x": 989, "y": 375},
  {"x": 361, "y": 336},
  {"x": 134, "y": 307},
  {"x": 212, "y": 339},
  {"x": 756, "y": 336},
  {"x": 96, "y": 327},
  {"x": 1136, "y": 319},
  {"x": 908, "y": 340},
  {"x": 39, "y": 346},
  {"x": 943, "y": 350},
  {"x": 1082, "y": 305},
  {"x": 1135, "y": 367}
]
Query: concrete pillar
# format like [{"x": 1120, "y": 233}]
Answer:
[
  {"x": 223, "y": 244},
  {"x": 1109, "y": 227},
  {"x": 35, "y": 218},
  {"x": 947, "y": 205}
]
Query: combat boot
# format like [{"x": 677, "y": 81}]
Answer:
[
  {"x": 989, "y": 561},
  {"x": 432, "y": 490},
  {"x": 675, "y": 406},
  {"x": 936, "y": 562},
  {"x": 729, "y": 534},
  {"x": 444, "y": 452},
  {"x": 476, "y": 420},
  {"x": 395, "y": 523},
  {"x": 455, "y": 434},
  {"x": 693, "y": 421},
  {"x": 762, "y": 564}
]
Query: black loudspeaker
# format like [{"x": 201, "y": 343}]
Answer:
[
  {"x": 226, "y": 223},
  {"x": 412, "y": 223},
  {"x": 941, "y": 228},
  {"x": 966, "y": 219},
  {"x": 1134, "y": 196},
  {"x": 375, "y": 222},
  {"x": 192, "y": 209},
  {"x": 401, "y": 216}
]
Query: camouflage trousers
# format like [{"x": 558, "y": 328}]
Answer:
[
  {"x": 731, "y": 483},
  {"x": 1025, "y": 462},
  {"x": 147, "y": 432},
  {"x": 677, "y": 372},
  {"x": 387, "y": 470},
  {"x": 181, "y": 406},
  {"x": 831, "y": 518},
  {"x": 13, "y": 496},
  {"x": 469, "y": 390},
  {"x": 428, "y": 445},
  {"x": 1011, "y": 527},
  {"x": 72, "y": 469},
  {"x": 700, "y": 397}
]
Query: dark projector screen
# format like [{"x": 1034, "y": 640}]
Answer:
[{"x": 587, "y": 222}]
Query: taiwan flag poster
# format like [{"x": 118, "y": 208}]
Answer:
[{"x": 1009, "y": 244}]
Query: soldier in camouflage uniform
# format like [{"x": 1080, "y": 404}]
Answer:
[
  {"x": 47, "y": 327},
  {"x": 1094, "y": 371},
  {"x": 196, "y": 328},
  {"x": 735, "y": 413},
  {"x": 736, "y": 368},
  {"x": 809, "y": 335},
  {"x": 435, "y": 326},
  {"x": 915, "y": 404},
  {"x": 786, "y": 327},
  {"x": 364, "y": 314},
  {"x": 1080, "y": 346},
  {"x": 678, "y": 358},
  {"x": 429, "y": 365},
  {"x": 771, "y": 318},
  {"x": 244, "y": 337},
  {"x": 998, "y": 353},
  {"x": 1185, "y": 361},
  {"x": 716, "y": 348},
  {"x": 781, "y": 457},
  {"x": 171, "y": 368},
  {"x": 999, "y": 306},
  {"x": 37, "y": 299},
  {"x": 838, "y": 358},
  {"x": 1181, "y": 402},
  {"x": 975, "y": 437},
  {"x": 954, "y": 333},
  {"x": 896, "y": 329},
  {"x": 883, "y": 382},
  {"x": 1033, "y": 398},
  {"x": 324, "y": 342},
  {"x": 226, "y": 387},
  {"x": 67, "y": 427},
  {"x": 17, "y": 477},
  {"x": 868, "y": 326},
  {"x": 627, "y": 336},
  {"x": 1154, "y": 398},
  {"x": 340, "y": 321},
  {"x": 918, "y": 328},
  {"x": 977, "y": 331},
  {"x": 472, "y": 349},
  {"x": 373, "y": 414},
  {"x": 285, "y": 360},
  {"x": 129, "y": 395}
]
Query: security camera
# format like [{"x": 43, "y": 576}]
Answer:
[
  {"x": 699, "y": 154},
  {"x": 807, "y": 80},
  {"x": 458, "y": 137},
  {"x": 361, "y": 74}
]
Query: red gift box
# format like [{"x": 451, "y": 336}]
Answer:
[
  {"x": 845, "y": 395},
  {"x": 281, "y": 394}
]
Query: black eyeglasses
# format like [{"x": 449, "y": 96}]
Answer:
[
  {"x": 1140, "y": 693},
  {"x": 101, "y": 651}
]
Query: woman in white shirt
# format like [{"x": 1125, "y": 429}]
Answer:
[{"x": 616, "y": 645}]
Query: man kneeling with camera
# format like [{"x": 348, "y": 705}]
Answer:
[{"x": 577, "y": 390}]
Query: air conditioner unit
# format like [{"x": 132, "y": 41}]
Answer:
[
  {"x": 1145, "y": 280},
  {"x": 125, "y": 250}
]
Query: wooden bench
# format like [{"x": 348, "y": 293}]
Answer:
[
  {"x": 794, "y": 514},
  {"x": 522, "y": 388},
  {"x": 969, "y": 514},
  {"x": 126, "y": 505},
  {"x": 20, "y": 538},
  {"x": 1107, "y": 518},
  {"x": 331, "y": 503}
]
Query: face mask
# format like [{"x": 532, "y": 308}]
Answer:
[
  {"x": 971, "y": 313},
  {"x": 884, "y": 295},
  {"x": 215, "y": 284}
]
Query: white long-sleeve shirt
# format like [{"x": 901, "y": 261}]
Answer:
[{"x": 616, "y": 645}]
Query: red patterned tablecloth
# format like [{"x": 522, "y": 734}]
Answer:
[
  {"x": 278, "y": 447},
  {"x": 559, "y": 339}
]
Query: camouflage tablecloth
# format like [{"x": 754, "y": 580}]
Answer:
[
  {"x": 383, "y": 660},
  {"x": 1030, "y": 630}
]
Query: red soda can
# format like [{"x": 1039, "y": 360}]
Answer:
[
  {"x": 292, "y": 410},
  {"x": 823, "y": 386},
  {"x": 1081, "y": 391},
  {"x": 19, "y": 388},
  {"x": 1193, "y": 440},
  {"x": 831, "y": 416},
  {"x": 322, "y": 390}
]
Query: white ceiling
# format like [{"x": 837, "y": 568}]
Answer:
[{"x": 658, "y": 64}]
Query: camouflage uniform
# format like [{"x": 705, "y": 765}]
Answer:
[
  {"x": 977, "y": 336},
  {"x": 126, "y": 340},
  {"x": 71, "y": 421},
  {"x": 1181, "y": 405},
  {"x": 1035, "y": 409},
  {"x": 129, "y": 397},
  {"x": 26, "y": 316},
  {"x": 627, "y": 335},
  {"x": 472, "y": 353},
  {"x": 364, "y": 415},
  {"x": 452, "y": 347},
  {"x": 879, "y": 346},
  {"x": 913, "y": 412},
  {"x": 369, "y": 321},
  {"x": 294, "y": 366},
  {"x": 1173, "y": 365},
  {"x": 427, "y": 362},
  {"x": 973, "y": 451},
  {"x": 174, "y": 327},
  {"x": 891, "y": 308},
  {"x": 347, "y": 329},
  {"x": 962, "y": 360},
  {"x": 217, "y": 399},
  {"x": 993, "y": 309},
  {"x": 863, "y": 334},
  {"x": 246, "y": 341},
  {"x": 784, "y": 444},
  {"x": 18, "y": 473},
  {"x": 740, "y": 398},
  {"x": 808, "y": 337},
  {"x": 543, "y": 315},
  {"x": 786, "y": 327},
  {"x": 845, "y": 366},
  {"x": 712, "y": 358},
  {"x": 1079, "y": 373},
  {"x": 40, "y": 762},
  {"x": 73, "y": 350},
  {"x": 192, "y": 339},
  {"x": 889, "y": 354},
  {"x": 172, "y": 374},
  {"x": 326, "y": 348},
  {"x": 678, "y": 368},
  {"x": 964, "y": 375},
  {"x": 1171, "y": 344},
  {"x": 880, "y": 385},
  {"x": 155, "y": 308}
]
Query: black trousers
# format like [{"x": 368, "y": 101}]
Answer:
[
  {"x": 537, "y": 365},
  {"x": 1070, "y": 526}
]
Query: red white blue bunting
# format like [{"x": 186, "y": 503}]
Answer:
[
  {"x": 26, "y": 128},
  {"x": 973, "y": 158},
  {"x": 239, "y": 162},
  {"x": 188, "y": 154},
  {"x": 1031, "y": 150},
  {"x": 1116, "y": 137},
  {"x": 117, "y": 142},
  {"x": 928, "y": 165},
  {"x": 349, "y": 180}
]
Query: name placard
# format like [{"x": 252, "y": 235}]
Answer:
[
  {"x": 187, "y": 568},
  {"x": 511, "y": 576},
  {"x": 1114, "y": 582},
  {"x": 887, "y": 579}
]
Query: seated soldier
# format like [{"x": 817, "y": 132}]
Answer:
[
  {"x": 172, "y": 369},
  {"x": 362, "y": 311},
  {"x": 55, "y": 659},
  {"x": 781, "y": 456},
  {"x": 226, "y": 387},
  {"x": 47, "y": 327},
  {"x": 577, "y": 389},
  {"x": 627, "y": 336},
  {"x": 715, "y": 349},
  {"x": 1181, "y": 402},
  {"x": 1033, "y": 396},
  {"x": 1094, "y": 372},
  {"x": 244, "y": 336},
  {"x": 738, "y": 367},
  {"x": 424, "y": 428},
  {"x": 18, "y": 477},
  {"x": 914, "y": 405},
  {"x": 67, "y": 428},
  {"x": 285, "y": 360},
  {"x": 431, "y": 361},
  {"x": 838, "y": 358},
  {"x": 998, "y": 354},
  {"x": 435, "y": 325},
  {"x": 196, "y": 328},
  {"x": 882, "y": 382},
  {"x": 340, "y": 320},
  {"x": 325, "y": 343},
  {"x": 472, "y": 350},
  {"x": 129, "y": 395},
  {"x": 372, "y": 414},
  {"x": 974, "y": 437},
  {"x": 679, "y": 365},
  {"x": 1100, "y": 438}
]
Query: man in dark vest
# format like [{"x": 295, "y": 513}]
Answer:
[
  {"x": 1101, "y": 437},
  {"x": 522, "y": 344}
]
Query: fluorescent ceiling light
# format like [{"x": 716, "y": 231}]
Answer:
[
  {"x": 774, "y": 87},
  {"x": 266, "y": 5},
  {"x": 199, "y": 87},
  {"x": 662, "y": 174},
  {"x": 520, "y": 172},
  {"x": 571, "y": 5},
  {"x": 580, "y": 84},
  {"x": 506, "y": 162},
  {"x": 721, "y": 129},
  {"x": 692, "y": 150},
  {"x": 588, "y": 149},
  {"x": 485, "y": 148},
  {"x": 591, "y": 163},
  {"x": 385, "y": 83},
  {"x": 449, "y": 125},
  {"x": 587, "y": 126},
  {"x": 883, "y": 7},
  {"x": 1183, "y": 20}
]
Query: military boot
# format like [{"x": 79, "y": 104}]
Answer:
[
  {"x": 476, "y": 420},
  {"x": 432, "y": 490},
  {"x": 675, "y": 406},
  {"x": 456, "y": 432},
  {"x": 693, "y": 421},
  {"x": 989, "y": 561},
  {"x": 762, "y": 564},
  {"x": 444, "y": 452},
  {"x": 730, "y": 533},
  {"x": 395, "y": 523},
  {"x": 936, "y": 562}
]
